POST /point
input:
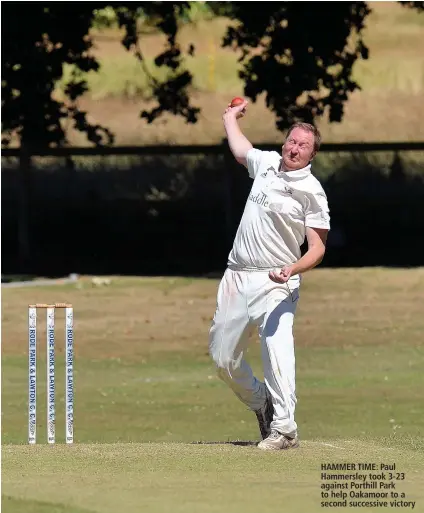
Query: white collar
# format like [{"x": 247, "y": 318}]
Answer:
[{"x": 297, "y": 173}]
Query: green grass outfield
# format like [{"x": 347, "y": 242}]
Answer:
[{"x": 146, "y": 394}]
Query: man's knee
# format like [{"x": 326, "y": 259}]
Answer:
[
  {"x": 225, "y": 349},
  {"x": 222, "y": 359},
  {"x": 217, "y": 345}
]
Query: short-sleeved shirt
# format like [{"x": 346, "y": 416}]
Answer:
[{"x": 280, "y": 206}]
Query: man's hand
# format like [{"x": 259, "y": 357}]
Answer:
[
  {"x": 281, "y": 275},
  {"x": 236, "y": 112}
]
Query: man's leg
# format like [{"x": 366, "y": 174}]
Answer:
[
  {"x": 228, "y": 340},
  {"x": 278, "y": 356}
]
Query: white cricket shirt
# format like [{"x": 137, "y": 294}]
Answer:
[{"x": 279, "y": 208}]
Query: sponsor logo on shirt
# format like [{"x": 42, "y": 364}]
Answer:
[{"x": 260, "y": 199}]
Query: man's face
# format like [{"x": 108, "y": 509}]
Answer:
[{"x": 298, "y": 150}]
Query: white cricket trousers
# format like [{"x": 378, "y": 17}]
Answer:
[{"x": 246, "y": 298}]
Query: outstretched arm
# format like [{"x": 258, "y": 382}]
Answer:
[{"x": 239, "y": 144}]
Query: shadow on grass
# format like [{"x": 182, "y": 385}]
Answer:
[{"x": 243, "y": 443}]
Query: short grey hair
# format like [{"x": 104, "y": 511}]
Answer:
[{"x": 308, "y": 128}]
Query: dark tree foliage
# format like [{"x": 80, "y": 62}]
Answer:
[
  {"x": 35, "y": 47},
  {"x": 419, "y": 6},
  {"x": 299, "y": 54},
  {"x": 171, "y": 95}
]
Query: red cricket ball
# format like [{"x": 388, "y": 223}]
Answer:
[{"x": 237, "y": 101}]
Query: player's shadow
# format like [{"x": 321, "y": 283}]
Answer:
[{"x": 243, "y": 443}]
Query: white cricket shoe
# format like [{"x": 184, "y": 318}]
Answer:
[{"x": 276, "y": 442}]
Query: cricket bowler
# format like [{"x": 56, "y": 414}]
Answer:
[{"x": 286, "y": 206}]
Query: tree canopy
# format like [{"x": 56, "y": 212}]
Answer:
[{"x": 299, "y": 54}]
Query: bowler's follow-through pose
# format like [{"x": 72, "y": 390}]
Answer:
[{"x": 261, "y": 283}]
